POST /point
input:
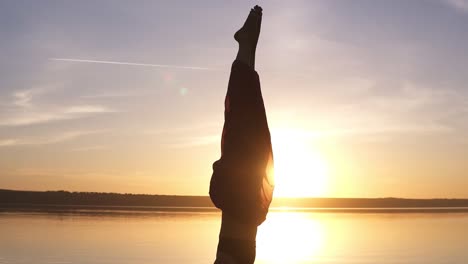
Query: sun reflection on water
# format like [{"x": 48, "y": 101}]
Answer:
[{"x": 289, "y": 237}]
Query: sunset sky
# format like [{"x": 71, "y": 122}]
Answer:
[{"x": 364, "y": 98}]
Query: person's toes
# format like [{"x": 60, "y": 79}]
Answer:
[
  {"x": 258, "y": 9},
  {"x": 256, "y": 13}
]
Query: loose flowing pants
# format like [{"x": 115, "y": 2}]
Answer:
[{"x": 242, "y": 181}]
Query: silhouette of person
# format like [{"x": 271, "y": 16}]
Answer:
[{"x": 242, "y": 181}]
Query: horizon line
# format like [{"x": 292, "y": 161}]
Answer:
[{"x": 278, "y": 197}]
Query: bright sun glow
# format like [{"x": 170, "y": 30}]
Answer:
[
  {"x": 290, "y": 238},
  {"x": 299, "y": 170}
]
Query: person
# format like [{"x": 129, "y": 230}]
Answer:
[{"x": 242, "y": 182}]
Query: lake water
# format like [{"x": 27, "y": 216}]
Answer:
[{"x": 183, "y": 237}]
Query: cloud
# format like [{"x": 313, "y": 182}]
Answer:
[
  {"x": 366, "y": 131},
  {"x": 410, "y": 111},
  {"x": 7, "y": 142},
  {"x": 132, "y": 64},
  {"x": 185, "y": 129},
  {"x": 88, "y": 148},
  {"x": 196, "y": 141},
  {"x": 66, "y": 136},
  {"x": 37, "y": 141},
  {"x": 117, "y": 95},
  {"x": 45, "y": 116},
  {"x": 461, "y": 5},
  {"x": 203, "y": 134},
  {"x": 25, "y": 111},
  {"x": 23, "y": 98},
  {"x": 86, "y": 109},
  {"x": 385, "y": 129}
]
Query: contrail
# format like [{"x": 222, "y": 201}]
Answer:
[{"x": 133, "y": 64}]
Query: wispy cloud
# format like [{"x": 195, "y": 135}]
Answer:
[
  {"x": 25, "y": 118},
  {"x": 24, "y": 110},
  {"x": 88, "y": 148},
  {"x": 363, "y": 132},
  {"x": 184, "y": 129},
  {"x": 195, "y": 141},
  {"x": 373, "y": 130},
  {"x": 461, "y": 5},
  {"x": 23, "y": 98},
  {"x": 202, "y": 134},
  {"x": 85, "y": 109},
  {"x": 53, "y": 139},
  {"x": 118, "y": 95},
  {"x": 7, "y": 142},
  {"x": 133, "y": 64}
]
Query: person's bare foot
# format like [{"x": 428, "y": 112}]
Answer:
[{"x": 247, "y": 35}]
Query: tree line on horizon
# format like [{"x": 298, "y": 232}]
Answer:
[{"x": 13, "y": 197}]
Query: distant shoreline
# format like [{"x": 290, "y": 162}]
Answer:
[
  {"x": 99, "y": 209},
  {"x": 63, "y": 201}
]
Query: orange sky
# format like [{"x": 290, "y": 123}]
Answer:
[{"x": 361, "y": 102}]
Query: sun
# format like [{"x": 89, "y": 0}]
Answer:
[{"x": 299, "y": 170}]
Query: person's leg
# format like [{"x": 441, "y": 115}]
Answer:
[
  {"x": 247, "y": 37},
  {"x": 240, "y": 186}
]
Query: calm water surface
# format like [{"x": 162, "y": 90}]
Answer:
[{"x": 286, "y": 237}]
